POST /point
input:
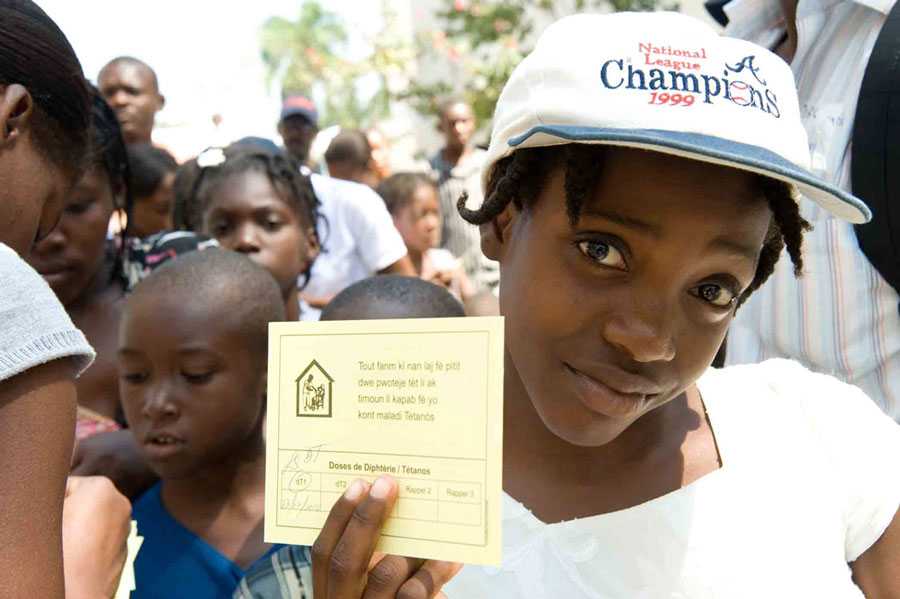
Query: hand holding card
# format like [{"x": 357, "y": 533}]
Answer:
[
  {"x": 419, "y": 400},
  {"x": 345, "y": 564}
]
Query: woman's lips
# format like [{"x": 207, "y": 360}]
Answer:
[
  {"x": 601, "y": 398},
  {"x": 55, "y": 275}
]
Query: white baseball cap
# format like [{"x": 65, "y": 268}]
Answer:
[{"x": 664, "y": 82}]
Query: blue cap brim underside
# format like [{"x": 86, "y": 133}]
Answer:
[{"x": 715, "y": 148}]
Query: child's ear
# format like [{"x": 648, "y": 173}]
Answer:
[
  {"x": 495, "y": 234},
  {"x": 312, "y": 245}
]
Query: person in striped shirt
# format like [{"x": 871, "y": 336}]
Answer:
[{"x": 841, "y": 318}]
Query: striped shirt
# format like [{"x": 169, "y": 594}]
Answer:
[
  {"x": 841, "y": 317},
  {"x": 460, "y": 238}
]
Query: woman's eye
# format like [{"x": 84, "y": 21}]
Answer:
[
  {"x": 197, "y": 378},
  {"x": 715, "y": 295},
  {"x": 80, "y": 208},
  {"x": 219, "y": 229},
  {"x": 603, "y": 253}
]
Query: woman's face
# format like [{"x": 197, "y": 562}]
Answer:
[
  {"x": 620, "y": 313},
  {"x": 246, "y": 214},
  {"x": 32, "y": 194},
  {"x": 71, "y": 257}
]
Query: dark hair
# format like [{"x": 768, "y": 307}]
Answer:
[
  {"x": 392, "y": 296},
  {"x": 397, "y": 190},
  {"x": 149, "y": 166},
  {"x": 350, "y": 146},
  {"x": 520, "y": 177},
  {"x": 290, "y": 185},
  {"x": 107, "y": 152},
  {"x": 183, "y": 188},
  {"x": 132, "y": 61},
  {"x": 107, "y": 149},
  {"x": 34, "y": 53}
]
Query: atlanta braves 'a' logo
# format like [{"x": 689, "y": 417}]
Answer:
[{"x": 747, "y": 63}]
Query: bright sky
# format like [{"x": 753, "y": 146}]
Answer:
[{"x": 205, "y": 52}]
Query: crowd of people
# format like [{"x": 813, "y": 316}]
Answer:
[{"x": 635, "y": 222}]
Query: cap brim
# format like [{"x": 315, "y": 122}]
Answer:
[{"x": 707, "y": 148}]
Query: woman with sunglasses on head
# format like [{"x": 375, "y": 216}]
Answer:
[{"x": 44, "y": 121}]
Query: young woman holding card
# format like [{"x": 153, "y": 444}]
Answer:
[{"x": 643, "y": 178}]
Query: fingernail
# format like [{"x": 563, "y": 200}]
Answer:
[
  {"x": 355, "y": 490},
  {"x": 381, "y": 488}
]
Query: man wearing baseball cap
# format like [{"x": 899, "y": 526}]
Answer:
[{"x": 298, "y": 126}]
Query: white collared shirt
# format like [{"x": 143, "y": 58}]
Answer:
[
  {"x": 358, "y": 238},
  {"x": 841, "y": 317}
]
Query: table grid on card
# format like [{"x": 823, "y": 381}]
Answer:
[{"x": 304, "y": 488}]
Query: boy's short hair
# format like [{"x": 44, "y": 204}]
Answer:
[
  {"x": 350, "y": 146},
  {"x": 215, "y": 277},
  {"x": 392, "y": 296},
  {"x": 398, "y": 189}
]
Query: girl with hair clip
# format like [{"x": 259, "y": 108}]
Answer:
[
  {"x": 641, "y": 183},
  {"x": 45, "y": 113},
  {"x": 84, "y": 269},
  {"x": 259, "y": 204}
]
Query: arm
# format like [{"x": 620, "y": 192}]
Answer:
[
  {"x": 317, "y": 301},
  {"x": 876, "y": 571},
  {"x": 96, "y": 523},
  {"x": 37, "y": 425},
  {"x": 116, "y": 456},
  {"x": 403, "y": 266}
]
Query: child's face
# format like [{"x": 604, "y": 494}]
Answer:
[
  {"x": 72, "y": 255},
  {"x": 419, "y": 222},
  {"x": 246, "y": 214},
  {"x": 154, "y": 213},
  {"x": 192, "y": 390},
  {"x": 620, "y": 313}
]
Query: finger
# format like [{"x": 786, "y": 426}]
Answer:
[
  {"x": 376, "y": 557},
  {"x": 428, "y": 580},
  {"x": 351, "y": 555},
  {"x": 72, "y": 484},
  {"x": 331, "y": 533},
  {"x": 386, "y": 578}
]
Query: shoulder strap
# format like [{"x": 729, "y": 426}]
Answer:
[{"x": 875, "y": 166}]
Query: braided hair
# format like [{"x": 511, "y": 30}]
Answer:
[
  {"x": 283, "y": 172},
  {"x": 520, "y": 177}
]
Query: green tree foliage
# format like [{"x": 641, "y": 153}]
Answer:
[
  {"x": 484, "y": 40},
  {"x": 308, "y": 55}
]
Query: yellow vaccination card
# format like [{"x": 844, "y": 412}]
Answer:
[{"x": 419, "y": 399}]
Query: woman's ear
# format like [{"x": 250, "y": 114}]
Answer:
[
  {"x": 495, "y": 234},
  {"x": 16, "y": 108}
]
